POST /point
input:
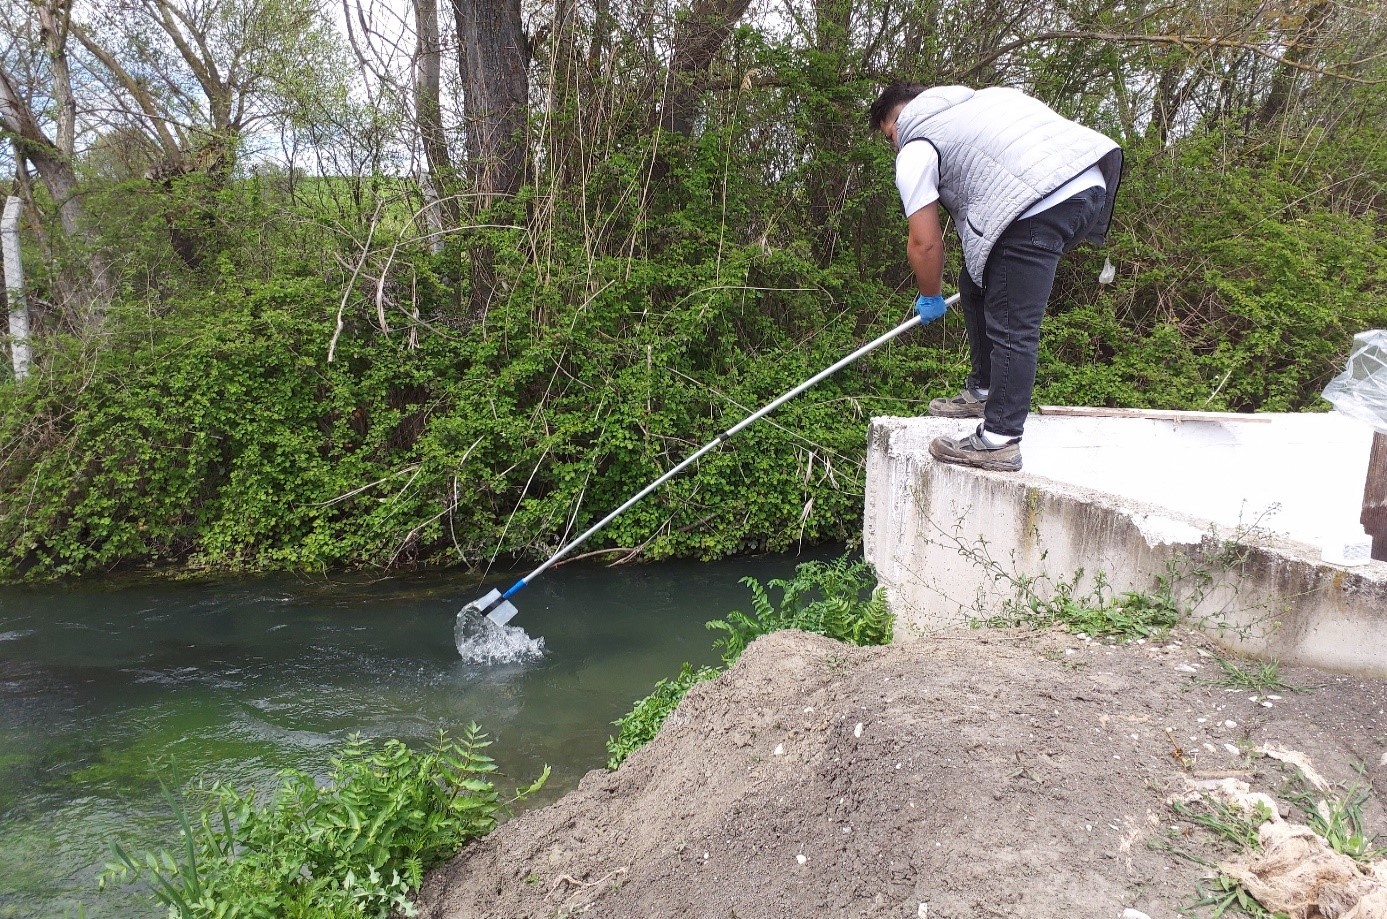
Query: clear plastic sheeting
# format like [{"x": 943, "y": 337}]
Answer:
[{"x": 1361, "y": 391}]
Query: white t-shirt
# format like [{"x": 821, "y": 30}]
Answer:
[{"x": 917, "y": 179}]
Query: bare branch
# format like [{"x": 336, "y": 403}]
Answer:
[{"x": 1192, "y": 43}]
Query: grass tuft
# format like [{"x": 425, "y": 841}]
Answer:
[{"x": 1258, "y": 678}]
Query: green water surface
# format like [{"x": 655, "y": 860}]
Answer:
[{"x": 105, "y": 690}]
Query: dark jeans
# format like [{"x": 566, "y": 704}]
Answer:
[{"x": 1003, "y": 316}]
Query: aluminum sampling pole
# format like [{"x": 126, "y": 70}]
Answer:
[{"x": 499, "y": 611}]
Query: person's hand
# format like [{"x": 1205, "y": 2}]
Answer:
[{"x": 929, "y": 308}]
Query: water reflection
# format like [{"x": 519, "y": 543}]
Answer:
[{"x": 105, "y": 690}]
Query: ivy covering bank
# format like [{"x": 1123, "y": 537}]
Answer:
[{"x": 204, "y": 425}]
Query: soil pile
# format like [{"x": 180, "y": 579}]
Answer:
[{"x": 977, "y": 774}]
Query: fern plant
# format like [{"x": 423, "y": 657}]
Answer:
[
  {"x": 838, "y": 599},
  {"x": 354, "y": 846}
]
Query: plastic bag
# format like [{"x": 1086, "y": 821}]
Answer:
[{"x": 1361, "y": 391}]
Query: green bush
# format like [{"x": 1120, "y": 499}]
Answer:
[
  {"x": 1242, "y": 281},
  {"x": 838, "y": 599},
  {"x": 204, "y": 426},
  {"x": 639, "y": 726},
  {"x": 354, "y": 845}
]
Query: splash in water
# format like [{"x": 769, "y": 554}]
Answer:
[{"x": 481, "y": 641}]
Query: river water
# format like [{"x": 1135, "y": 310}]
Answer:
[{"x": 105, "y": 690}]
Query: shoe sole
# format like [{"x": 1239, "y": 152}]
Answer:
[
  {"x": 942, "y": 409},
  {"x": 958, "y": 459}
]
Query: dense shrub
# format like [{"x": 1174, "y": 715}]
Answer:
[
  {"x": 207, "y": 427},
  {"x": 355, "y": 845},
  {"x": 838, "y": 599}
]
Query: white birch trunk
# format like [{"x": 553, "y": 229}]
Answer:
[
  {"x": 433, "y": 212},
  {"x": 14, "y": 287}
]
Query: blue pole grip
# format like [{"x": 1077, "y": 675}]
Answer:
[{"x": 513, "y": 589}]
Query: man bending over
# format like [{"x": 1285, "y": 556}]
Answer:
[{"x": 1023, "y": 185}]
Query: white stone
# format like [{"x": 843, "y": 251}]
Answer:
[
  {"x": 801, "y": 858},
  {"x": 857, "y": 731},
  {"x": 780, "y": 749},
  {"x": 1134, "y": 914}
]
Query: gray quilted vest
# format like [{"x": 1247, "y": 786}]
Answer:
[{"x": 1001, "y": 151}]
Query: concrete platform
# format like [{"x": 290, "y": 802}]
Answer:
[{"x": 1233, "y": 511}]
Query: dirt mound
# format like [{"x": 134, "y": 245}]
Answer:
[{"x": 977, "y": 774}]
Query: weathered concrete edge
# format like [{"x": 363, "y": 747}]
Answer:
[{"x": 952, "y": 544}]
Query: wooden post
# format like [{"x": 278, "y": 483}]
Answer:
[{"x": 1374, "y": 516}]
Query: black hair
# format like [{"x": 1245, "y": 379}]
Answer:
[{"x": 891, "y": 98}]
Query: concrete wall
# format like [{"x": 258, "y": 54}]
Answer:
[{"x": 953, "y": 544}]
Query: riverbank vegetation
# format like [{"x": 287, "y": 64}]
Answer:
[
  {"x": 839, "y": 599},
  {"x": 305, "y": 292},
  {"x": 355, "y": 844}
]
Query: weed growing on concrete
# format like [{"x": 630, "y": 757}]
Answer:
[
  {"x": 1097, "y": 612},
  {"x": 1189, "y": 579}
]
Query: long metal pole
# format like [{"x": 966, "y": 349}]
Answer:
[{"x": 725, "y": 435}]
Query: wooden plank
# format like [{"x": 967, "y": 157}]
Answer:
[
  {"x": 1374, "y": 516},
  {"x": 1150, "y": 414}
]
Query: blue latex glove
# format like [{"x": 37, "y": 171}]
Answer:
[{"x": 929, "y": 308}]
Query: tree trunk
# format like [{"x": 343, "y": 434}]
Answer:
[
  {"x": 1283, "y": 80},
  {"x": 440, "y": 192},
  {"x": 495, "y": 85},
  {"x": 698, "y": 37},
  {"x": 493, "y": 63},
  {"x": 14, "y": 287},
  {"x": 826, "y": 176},
  {"x": 83, "y": 299}
]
